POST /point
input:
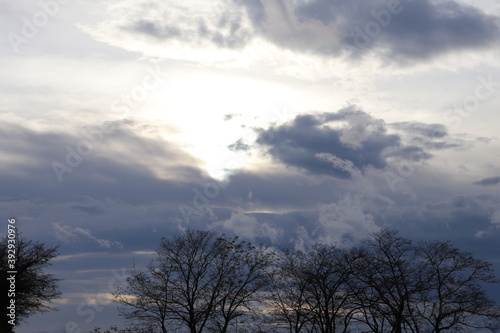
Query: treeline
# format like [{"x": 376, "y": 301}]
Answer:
[{"x": 204, "y": 282}]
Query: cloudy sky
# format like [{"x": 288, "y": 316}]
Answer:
[{"x": 286, "y": 122}]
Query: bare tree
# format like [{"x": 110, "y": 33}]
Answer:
[
  {"x": 454, "y": 298},
  {"x": 289, "y": 297},
  {"x": 386, "y": 284},
  {"x": 147, "y": 297},
  {"x": 242, "y": 284},
  {"x": 429, "y": 287},
  {"x": 34, "y": 290},
  {"x": 311, "y": 292},
  {"x": 327, "y": 271},
  {"x": 199, "y": 280}
]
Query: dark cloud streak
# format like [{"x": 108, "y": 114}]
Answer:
[{"x": 488, "y": 181}]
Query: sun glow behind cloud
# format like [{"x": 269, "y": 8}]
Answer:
[{"x": 213, "y": 110}]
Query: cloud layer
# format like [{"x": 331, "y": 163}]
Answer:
[{"x": 398, "y": 31}]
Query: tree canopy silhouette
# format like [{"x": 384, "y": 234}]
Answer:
[
  {"x": 201, "y": 281},
  {"x": 34, "y": 289}
]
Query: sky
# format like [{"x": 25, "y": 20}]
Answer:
[{"x": 286, "y": 122}]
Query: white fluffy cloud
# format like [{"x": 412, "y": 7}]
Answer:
[
  {"x": 249, "y": 227},
  {"x": 344, "y": 223}
]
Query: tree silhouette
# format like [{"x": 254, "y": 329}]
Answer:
[
  {"x": 310, "y": 291},
  {"x": 389, "y": 284},
  {"x": 200, "y": 281},
  {"x": 386, "y": 283},
  {"x": 33, "y": 289},
  {"x": 427, "y": 287},
  {"x": 453, "y": 297}
]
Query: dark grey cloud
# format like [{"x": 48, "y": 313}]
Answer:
[
  {"x": 336, "y": 144},
  {"x": 426, "y": 130},
  {"x": 254, "y": 8},
  {"x": 231, "y": 116},
  {"x": 427, "y": 28},
  {"x": 413, "y": 153},
  {"x": 402, "y": 30},
  {"x": 239, "y": 145},
  {"x": 222, "y": 29},
  {"x": 488, "y": 181},
  {"x": 229, "y": 32},
  {"x": 428, "y": 136},
  {"x": 156, "y": 29},
  {"x": 280, "y": 190}
]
